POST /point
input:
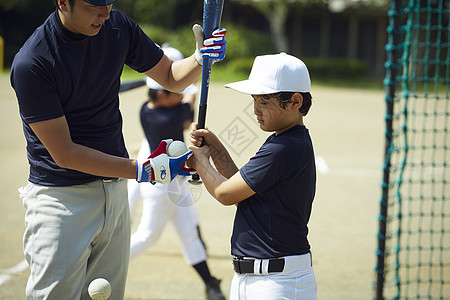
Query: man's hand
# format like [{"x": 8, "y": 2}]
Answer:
[
  {"x": 213, "y": 47},
  {"x": 159, "y": 167}
]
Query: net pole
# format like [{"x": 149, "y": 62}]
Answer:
[
  {"x": 390, "y": 82},
  {"x": 2, "y": 53}
]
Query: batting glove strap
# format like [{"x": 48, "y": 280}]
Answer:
[{"x": 144, "y": 172}]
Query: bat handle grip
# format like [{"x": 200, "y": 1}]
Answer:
[
  {"x": 200, "y": 125},
  {"x": 206, "y": 73},
  {"x": 201, "y": 116},
  {"x": 195, "y": 177}
]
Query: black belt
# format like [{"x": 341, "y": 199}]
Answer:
[{"x": 247, "y": 266}]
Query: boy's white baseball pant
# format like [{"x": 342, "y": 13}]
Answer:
[{"x": 296, "y": 282}]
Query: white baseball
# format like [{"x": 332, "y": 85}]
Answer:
[
  {"x": 176, "y": 148},
  {"x": 99, "y": 289}
]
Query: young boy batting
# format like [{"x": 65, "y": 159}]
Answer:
[{"x": 274, "y": 191}]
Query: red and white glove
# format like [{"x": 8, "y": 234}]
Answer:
[
  {"x": 213, "y": 47},
  {"x": 159, "y": 167}
]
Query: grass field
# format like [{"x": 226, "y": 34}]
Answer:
[{"x": 347, "y": 129}]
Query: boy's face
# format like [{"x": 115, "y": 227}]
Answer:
[
  {"x": 83, "y": 18},
  {"x": 271, "y": 117}
]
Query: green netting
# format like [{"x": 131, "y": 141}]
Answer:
[{"x": 413, "y": 255}]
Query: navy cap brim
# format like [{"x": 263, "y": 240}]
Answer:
[{"x": 100, "y": 2}]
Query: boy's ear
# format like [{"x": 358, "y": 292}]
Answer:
[{"x": 297, "y": 101}]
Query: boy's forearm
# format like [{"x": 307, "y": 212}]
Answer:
[
  {"x": 214, "y": 182},
  {"x": 222, "y": 160}
]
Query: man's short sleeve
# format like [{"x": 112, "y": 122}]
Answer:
[{"x": 35, "y": 90}]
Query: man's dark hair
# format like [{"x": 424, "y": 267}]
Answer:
[{"x": 285, "y": 97}]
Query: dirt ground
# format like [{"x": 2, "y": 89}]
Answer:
[{"x": 347, "y": 129}]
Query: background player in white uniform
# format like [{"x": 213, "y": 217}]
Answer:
[
  {"x": 165, "y": 116},
  {"x": 274, "y": 191}
]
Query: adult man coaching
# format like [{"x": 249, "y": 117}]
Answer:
[{"x": 66, "y": 78}]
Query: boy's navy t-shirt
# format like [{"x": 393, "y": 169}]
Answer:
[
  {"x": 273, "y": 222},
  {"x": 162, "y": 123},
  {"x": 58, "y": 73}
]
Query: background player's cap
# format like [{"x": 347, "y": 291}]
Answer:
[
  {"x": 100, "y": 2},
  {"x": 275, "y": 73},
  {"x": 175, "y": 55}
]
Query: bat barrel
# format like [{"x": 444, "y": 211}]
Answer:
[{"x": 212, "y": 15}]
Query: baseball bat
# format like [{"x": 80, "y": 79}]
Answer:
[
  {"x": 129, "y": 85},
  {"x": 212, "y": 15}
]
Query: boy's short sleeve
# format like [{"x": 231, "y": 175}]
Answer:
[{"x": 265, "y": 168}]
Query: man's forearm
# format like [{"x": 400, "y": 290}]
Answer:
[
  {"x": 175, "y": 76},
  {"x": 55, "y": 136},
  {"x": 184, "y": 72},
  {"x": 91, "y": 161}
]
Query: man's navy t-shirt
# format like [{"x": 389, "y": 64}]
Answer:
[
  {"x": 57, "y": 73},
  {"x": 273, "y": 222}
]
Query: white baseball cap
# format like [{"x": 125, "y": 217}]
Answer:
[
  {"x": 275, "y": 73},
  {"x": 175, "y": 55}
]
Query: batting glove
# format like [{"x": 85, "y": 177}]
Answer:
[
  {"x": 159, "y": 167},
  {"x": 213, "y": 47}
]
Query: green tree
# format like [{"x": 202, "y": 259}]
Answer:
[
  {"x": 276, "y": 12},
  {"x": 167, "y": 13}
]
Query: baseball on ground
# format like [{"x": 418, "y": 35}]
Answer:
[{"x": 99, "y": 289}]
